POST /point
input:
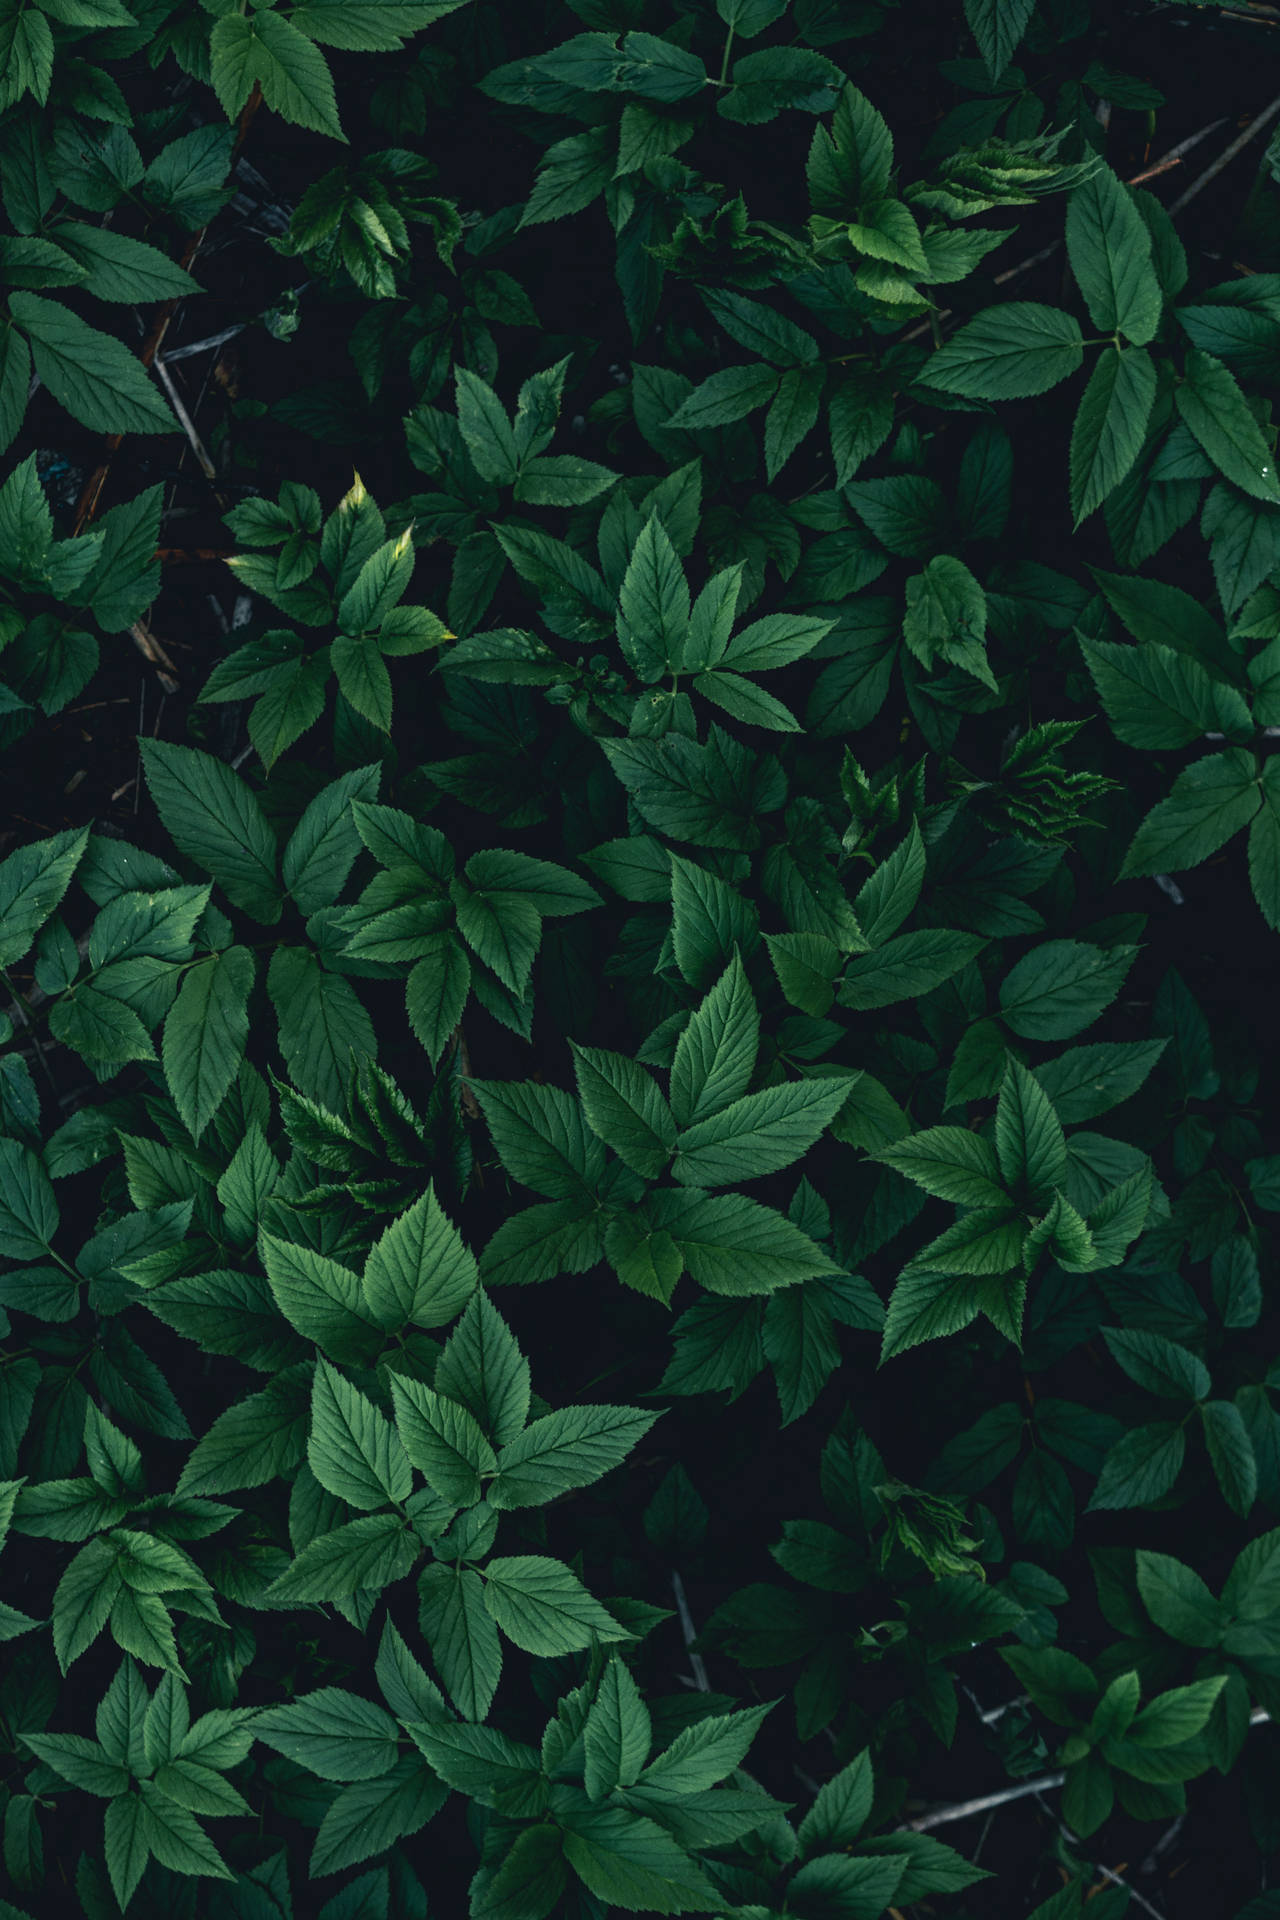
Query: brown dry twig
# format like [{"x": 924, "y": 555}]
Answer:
[{"x": 149, "y": 647}]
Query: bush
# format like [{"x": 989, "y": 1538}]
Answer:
[{"x": 654, "y": 892}]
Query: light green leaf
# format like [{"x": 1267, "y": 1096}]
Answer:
[
  {"x": 757, "y": 1134},
  {"x": 443, "y": 1440},
  {"x": 354, "y": 1452},
  {"x": 617, "y": 1734},
  {"x": 716, "y": 1051},
  {"x": 419, "y": 1272},
  {"x": 570, "y": 1448},
  {"x": 268, "y": 49},
  {"x": 333, "y": 1733},
  {"x": 462, "y": 1636},
  {"x": 544, "y": 1608},
  {"x": 1029, "y": 1138},
  {"x": 951, "y": 1163},
  {"x": 625, "y": 1108}
]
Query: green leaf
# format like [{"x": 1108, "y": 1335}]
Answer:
[
  {"x": 32, "y": 883},
  {"x": 1029, "y": 1138},
  {"x": 15, "y": 379},
  {"x": 1212, "y": 405},
  {"x": 333, "y": 1733},
  {"x": 324, "y": 1029},
  {"x": 80, "y": 1761},
  {"x": 617, "y": 1734},
  {"x": 793, "y": 414},
  {"x": 1231, "y": 1451},
  {"x": 767, "y": 83},
  {"x": 841, "y": 1809},
  {"x": 363, "y": 1556},
  {"x": 484, "y": 1370},
  {"x": 266, "y": 49},
  {"x": 544, "y": 1608},
  {"x": 91, "y": 374},
  {"x": 126, "y": 1845},
  {"x": 745, "y": 701},
  {"x": 485, "y": 1765},
  {"x": 205, "y": 1035},
  {"x": 363, "y": 678},
  {"x": 443, "y": 1440},
  {"x": 837, "y": 1884},
  {"x": 757, "y": 1134},
  {"x": 716, "y": 1051},
  {"x": 1177, "y": 1715},
  {"x": 1061, "y": 987},
  {"x": 1179, "y": 1601},
  {"x": 906, "y": 967},
  {"x": 1141, "y": 1467},
  {"x": 1110, "y": 426},
  {"x": 630, "y": 1862},
  {"x": 462, "y": 1636},
  {"x": 624, "y": 1107},
  {"x": 570, "y": 1448},
  {"x": 486, "y": 429},
  {"x": 653, "y": 605},
  {"x": 733, "y": 1245},
  {"x": 562, "y": 480},
  {"x": 503, "y": 929},
  {"x": 951, "y": 1163},
  {"x": 320, "y": 1297},
  {"x": 379, "y": 586},
  {"x": 419, "y": 1273},
  {"x": 723, "y": 397},
  {"x": 1157, "y": 698},
  {"x": 1210, "y": 802},
  {"x": 988, "y": 1240},
  {"x": 889, "y": 895},
  {"x": 28, "y": 1208},
  {"x": 258, "y": 1439},
  {"x": 119, "y": 268},
  {"x": 1158, "y": 1364},
  {"x": 1012, "y": 352},
  {"x": 1109, "y": 248},
  {"x": 998, "y": 26},
  {"x": 354, "y": 1452},
  {"x": 215, "y": 819},
  {"x": 324, "y": 845},
  {"x": 436, "y": 993},
  {"x": 541, "y": 1138},
  {"x": 369, "y": 1816},
  {"x": 83, "y": 1598}
]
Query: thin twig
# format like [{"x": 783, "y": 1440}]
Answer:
[
  {"x": 689, "y": 1632},
  {"x": 204, "y": 346},
  {"x": 197, "y": 445},
  {"x": 962, "y": 1809},
  {"x": 1225, "y": 158},
  {"x": 150, "y": 649}
]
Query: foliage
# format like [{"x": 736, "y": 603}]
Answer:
[{"x": 683, "y": 928}]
